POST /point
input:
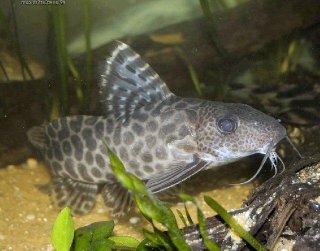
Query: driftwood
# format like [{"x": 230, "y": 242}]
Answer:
[{"x": 284, "y": 208}]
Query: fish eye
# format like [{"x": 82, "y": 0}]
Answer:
[{"x": 227, "y": 125}]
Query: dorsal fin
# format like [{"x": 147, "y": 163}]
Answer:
[{"x": 129, "y": 83}]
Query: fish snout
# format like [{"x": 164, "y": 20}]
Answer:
[{"x": 280, "y": 132}]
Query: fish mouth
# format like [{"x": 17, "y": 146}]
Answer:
[{"x": 274, "y": 158}]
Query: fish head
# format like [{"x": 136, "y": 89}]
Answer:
[{"x": 228, "y": 131}]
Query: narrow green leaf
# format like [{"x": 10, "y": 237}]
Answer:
[
  {"x": 187, "y": 197},
  {"x": 124, "y": 242},
  {"x": 182, "y": 218},
  {"x": 192, "y": 71},
  {"x": 63, "y": 231},
  {"x": 212, "y": 246},
  {"x": 188, "y": 215},
  {"x": 152, "y": 237},
  {"x": 149, "y": 205},
  {"x": 232, "y": 222},
  {"x": 146, "y": 245}
]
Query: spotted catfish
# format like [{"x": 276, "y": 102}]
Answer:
[{"x": 162, "y": 138}]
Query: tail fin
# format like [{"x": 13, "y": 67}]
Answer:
[
  {"x": 129, "y": 83},
  {"x": 37, "y": 137}
]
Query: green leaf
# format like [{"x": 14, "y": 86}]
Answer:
[
  {"x": 146, "y": 245},
  {"x": 101, "y": 245},
  {"x": 232, "y": 222},
  {"x": 188, "y": 215},
  {"x": 182, "y": 218},
  {"x": 86, "y": 236},
  {"x": 124, "y": 242},
  {"x": 212, "y": 246},
  {"x": 63, "y": 231},
  {"x": 187, "y": 197},
  {"x": 149, "y": 205}
]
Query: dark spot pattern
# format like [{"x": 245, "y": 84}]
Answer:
[
  {"x": 167, "y": 129},
  {"x": 99, "y": 129},
  {"x": 69, "y": 166},
  {"x": 124, "y": 154},
  {"x": 138, "y": 173},
  {"x": 170, "y": 139},
  {"x": 148, "y": 169},
  {"x": 78, "y": 145},
  {"x": 76, "y": 124},
  {"x": 51, "y": 132},
  {"x": 137, "y": 148},
  {"x": 138, "y": 129},
  {"x": 96, "y": 172},
  {"x": 192, "y": 116},
  {"x": 66, "y": 147},
  {"x": 151, "y": 141},
  {"x": 109, "y": 176},
  {"x": 152, "y": 125},
  {"x": 161, "y": 152},
  {"x": 181, "y": 105},
  {"x": 165, "y": 116},
  {"x": 109, "y": 127},
  {"x": 63, "y": 134},
  {"x": 117, "y": 136},
  {"x": 100, "y": 161},
  {"x": 57, "y": 151},
  {"x": 89, "y": 158},
  {"x": 90, "y": 120},
  {"x": 56, "y": 166},
  {"x": 142, "y": 117},
  {"x": 84, "y": 173},
  {"x": 87, "y": 135},
  {"x": 184, "y": 131},
  {"x": 146, "y": 157},
  {"x": 133, "y": 164},
  {"x": 128, "y": 138}
]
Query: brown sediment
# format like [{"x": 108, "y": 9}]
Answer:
[{"x": 27, "y": 215}]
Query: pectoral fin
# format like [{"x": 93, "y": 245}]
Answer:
[{"x": 175, "y": 175}]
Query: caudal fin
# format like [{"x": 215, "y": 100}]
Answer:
[
  {"x": 37, "y": 137},
  {"x": 129, "y": 83}
]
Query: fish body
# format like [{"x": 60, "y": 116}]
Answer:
[{"x": 160, "y": 137}]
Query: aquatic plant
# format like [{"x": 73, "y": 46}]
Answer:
[
  {"x": 87, "y": 32},
  {"x": 11, "y": 33},
  {"x": 96, "y": 236},
  {"x": 192, "y": 71},
  {"x": 154, "y": 210},
  {"x": 66, "y": 65},
  {"x": 62, "y": 55}
]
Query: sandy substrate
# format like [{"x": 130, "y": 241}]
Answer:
[{"x": 27, "y": 216}]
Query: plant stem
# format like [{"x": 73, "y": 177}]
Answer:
[
  {"x": 58, "y": 23},
  {"x": 87, "y": 31},
  {"x": 16, "y": 44}
]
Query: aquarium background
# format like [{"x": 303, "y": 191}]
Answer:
[{"x": 262, "y": 53}]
